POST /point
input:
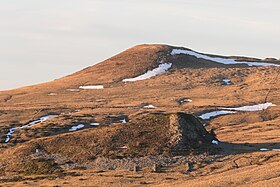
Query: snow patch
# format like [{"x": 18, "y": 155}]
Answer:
[
  {"x": 75, "y": 128},
  {"x": 73, "y": 90},
  {"x": 123, "y": 120},
  {"x": 227, "y": 81},
  {"x": 42, "y": 119},
  {"x": 95, "y": 124},
  {"x": 151, "y": 73},
  {"x": 224, "y": 111},
  {"x": 52, "y": 94},
  {"x": 124, "y": 147},
  {"x": 251, "y": 108},
  {"x": 264, "y": 149},
  {"x": 215, "y": 142},
  {"x": 92, "y": 87},
  {"x": 222, "y": 60},
  {"x": 12, "y": 130},
  {"x": 214, "y": 114},
  {"x": 185, "y": 100},
  {"x": 149, "y": 107}
]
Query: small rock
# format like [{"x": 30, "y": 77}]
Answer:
[
  {"x": 136, "y": 169},
  {"x": 156, "y": 168},
  {"x": 190, "y": 167}
]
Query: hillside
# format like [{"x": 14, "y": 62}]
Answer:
[{"x": 151, "y": 104}]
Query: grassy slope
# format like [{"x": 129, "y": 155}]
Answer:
[{"x": 203, "y": 85}]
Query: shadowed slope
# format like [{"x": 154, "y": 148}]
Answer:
[{"x": 152, "y": 134}]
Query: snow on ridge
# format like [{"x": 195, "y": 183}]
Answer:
[
  {"x": 92, "y": 87},
  {"x": 151, "y": 73},
  {"x": 225, "y": 111},
  {"x": 221, "y": 60},
  {"x": 215, "y": 113},
  {"x": 12, "y": 130},
  {"x": 251, "y": 108}
]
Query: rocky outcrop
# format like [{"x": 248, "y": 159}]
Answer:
[{"x": 188, "y": 132}]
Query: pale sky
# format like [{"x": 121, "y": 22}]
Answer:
[{"x": 41, "y": 40}]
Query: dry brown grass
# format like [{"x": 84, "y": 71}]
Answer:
[{"x": 199, "y": 80}]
